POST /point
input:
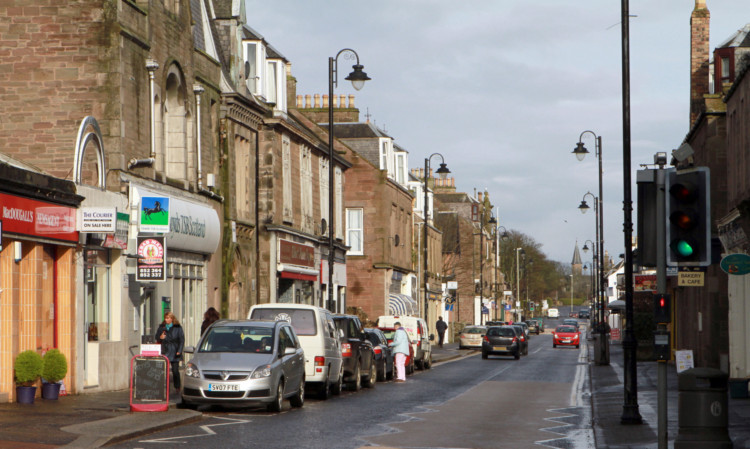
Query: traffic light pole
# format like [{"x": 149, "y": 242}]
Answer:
[{"x": 661, "y": 288}]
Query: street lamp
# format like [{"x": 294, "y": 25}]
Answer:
[
  {"x": 358, "y": 78},
  {"x": 571, "y": 294},
  {"x": 594, "y": 287},
  {"x": 580, "y": 151},
  {"x": 599, "y": 296},
  {"x": 504, "y": 237},
  {"x": 518, "y": 279},
  {"x": 443, "y": 172}
]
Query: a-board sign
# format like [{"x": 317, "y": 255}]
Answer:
[{"x": 149, "y": 383}]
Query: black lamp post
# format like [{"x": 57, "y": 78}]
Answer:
[
  {"x": 584, "y": 207},
  {"x": 358, "y": 78},
  {"x": 443, "y": 172},
  {"x": 594, "y": 276},
  {"x": 497, "y": 237}
]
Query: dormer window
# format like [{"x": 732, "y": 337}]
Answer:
[
  {"x": 276, "y": 84},
  {"x": 725, "y": 69},
  {"x": 255, "y": 57}
]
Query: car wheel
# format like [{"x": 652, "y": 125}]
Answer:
[
  {"x": 392, "y": 373},
  {"x": 187, "y": 405},
  {"x": 356, "y": 384},
  {"x": 324, "y": 392},
  {"x": 372, "y": 377},
  {"x": 428, "y": 362},
  {"x": 484, "y": 355},
  {"x": 554, "y": 345},
  {"x": 298, "y": 400},
  {"x": 381, "y": 372},
  {"x": 338, "y": 385},
  {"x": 578, "y": 346},
  {"x": 517, "y": 356},
  {"x": 278, "y": 401}
]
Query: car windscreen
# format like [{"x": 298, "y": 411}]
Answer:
[
  {"x": 388, "y": 333},
  {"x": 238, "y": 339},
  {"x": 474, "y": 330},
  {"x": 566, "y": 329},
  {"x": 500, "y": 332},
  {"x": 303, "y": 320}
]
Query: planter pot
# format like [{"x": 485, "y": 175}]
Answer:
[
  {"x": 25, "y": 395},
  {"x": 50, "y": 391}
]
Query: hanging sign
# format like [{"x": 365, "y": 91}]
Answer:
[
  {"x": 154, "y": 214},
  {"x": 736, "y": 264},
  {"x": 96, "y": 219},
  {"x": 152, "y": 259}
]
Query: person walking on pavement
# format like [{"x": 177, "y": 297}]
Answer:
[
  {"x": 209, "y": 317},
  {"x": 172, "y": 340},
  {"x": 400, "y": 345},
  {"x": 441, "y": 326}
]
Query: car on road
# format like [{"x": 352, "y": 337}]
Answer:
[
  {"x": 566, "y": 335},
  {"x": 553, "y": 313},
  {"x": 319, "y": 338},
  {"x": 384, "y": 357},
  {"x": 409, "y": 363},
  {"x": 245, "y": 363},
  {"x": 572, "y": 322},
  {"x": 416, "y": 328},
  {"x": 359, "y": 357},
  {"x": 533, "y": 326},
  {"x": 584, "y": 314},
  {"x": 501, "y": 340},
  {"x": 525, "y": 327},
  {"x": 471, "y": 337},
  {"x": 523, "y": 341}
]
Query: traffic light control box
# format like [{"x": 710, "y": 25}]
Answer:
[{"x": 688, "y": 216}]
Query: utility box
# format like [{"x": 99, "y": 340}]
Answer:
[{"x": 702, "y": 410}]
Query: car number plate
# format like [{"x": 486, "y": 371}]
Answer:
[
  {"x": 223, "y": 387},
  {"x": 566, "y": 341},
  {"x": 500, "y": 348}
]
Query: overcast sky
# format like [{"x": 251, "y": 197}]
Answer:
[{"x": 504, "y": 88}]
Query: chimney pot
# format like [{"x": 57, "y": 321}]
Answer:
[
  {"x": 325, "y": 100},
  {"x": 307, "y": 101}
]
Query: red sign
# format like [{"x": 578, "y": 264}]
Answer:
[
  {"x": 151, "y": 259},
  {"x": 38, "y": 218},
  {"x": 296, "y": 254}
]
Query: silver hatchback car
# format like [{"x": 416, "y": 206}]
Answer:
[{"x": 246, "y": 363}]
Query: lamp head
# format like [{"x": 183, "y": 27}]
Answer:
[
  {"x": 580, "y": 151},
  {"x": 583, "y": 207},
  {"x": 443, "y": 171},
  {"x": 585, "y": 248},
  {"x": 505, "y": 237},
  {"x": 358, "y": 77}
]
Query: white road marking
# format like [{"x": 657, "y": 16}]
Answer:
[{"x": 206, "y": 429}]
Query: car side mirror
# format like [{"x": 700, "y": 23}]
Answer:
[
  {"x": 189, "y": 349},
  {"x": 341, "y": 333},
  {"x": 432, "y": 337},
  {"x": 290, "y": 350}
]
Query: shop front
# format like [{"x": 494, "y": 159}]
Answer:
[
  {"x": 38, "y": 264},
  {"x": 297, "y": 274}
]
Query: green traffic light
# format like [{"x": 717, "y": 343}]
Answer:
[{"x": 683, "y": 248}]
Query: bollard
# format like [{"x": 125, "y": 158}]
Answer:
[{"x": 702, "y": 410}]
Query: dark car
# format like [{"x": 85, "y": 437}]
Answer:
[
  {"x": 502, "y": 340},
  {"x": 384, "y": 357},
  {"x": 571, "y": 322},
  {"x": 409, "y": 363},
  {"x": 584, "y": 314},
  {"x": 533, "y": 326},
  {"x": 523, "y": 341},
  {"x": 357, "y": 353}
]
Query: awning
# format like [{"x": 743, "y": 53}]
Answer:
[
  {"x": 618, "y": 304},
  {"x": 296, "y": 272},
  {"x": 399, "y": 304}
]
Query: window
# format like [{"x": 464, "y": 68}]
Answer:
[
  {"x": 306, "y": 189},
  {"x": 338, "y": 178},
  {"x": 354, "y": 231},
  {"x": 401, "y": 168},
  {"x": 286, "y": 167},
  {"x": 271, "y": 81},
  {"x": 386, "y": 156},
  {"x": 98, "y": 301},
  {"x": 323, "y": 169},
  {"x": 725, "y": 68},
  {"x": 251, "y": 66}
]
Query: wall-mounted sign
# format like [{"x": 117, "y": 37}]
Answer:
[
  {"x": 120, "y": 237},
  {"x": 97, "y": 219},
  {"x": 644, "y": 282},
  {"x": 38, "y": 218},
  {"x": 154, "y": 214},
  {"x": 152, "y": 260},
  {"x": 736, "y": 264},
  {"x": 296, "y": 254}
]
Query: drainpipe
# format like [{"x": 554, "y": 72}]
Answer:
[
  {"x": 152, "y": 66},
  {"x": 198, "y": 90}
]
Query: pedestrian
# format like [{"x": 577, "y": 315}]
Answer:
[
  {"x": 400, "y": 345},
  {"x": 172, "y": 340},
  {"x": 209, "y": 317},
  {"x": 441, "y": 326}
]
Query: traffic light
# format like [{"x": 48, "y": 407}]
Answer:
[
  {"x": 662, "y": 308},
  {"x": 688, "y": 215}
]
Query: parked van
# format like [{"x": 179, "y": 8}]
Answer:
[
  {"x": 553, "y": 313},
  {"x": 319, "y": 338},
  {"x": 416, "y": 328}
]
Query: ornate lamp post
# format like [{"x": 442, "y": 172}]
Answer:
[
  {"x": 594, "y": 286},
  {"x": 358, "y": 78},
  {"x": 443, "y": 172},
  {"x": 599, "y": 296}
]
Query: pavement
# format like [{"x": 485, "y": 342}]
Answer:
[{"x": 92, "y": 420}]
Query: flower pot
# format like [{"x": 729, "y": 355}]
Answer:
[
  {"x": 50, "y": 391},
  {"x": 25, "y": 395}
]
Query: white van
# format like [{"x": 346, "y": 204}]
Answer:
[
  {"x": 319, "y": 339},
  {"x": 416, "y": 328},
  {"x": 553, "y": 313}
]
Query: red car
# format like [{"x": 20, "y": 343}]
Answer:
[
  {"x": 409, "y": 364},
  {"x": 566, "y": 335}
]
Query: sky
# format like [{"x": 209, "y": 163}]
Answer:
[{"x": 503, "y": 89}]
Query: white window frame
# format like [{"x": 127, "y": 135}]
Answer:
[
  {"x": 324, "y": 193},
  {"x": 401, "y": 169},
  {"x": 351, "y": 229},
  {"x": 286, "y": 168},
  {"x": 338, "y": 177},
  {"x": 306, "y": 189},
  {"x": 258, "y": 57}
]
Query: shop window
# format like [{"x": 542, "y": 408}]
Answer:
[{"x": 98, "y": 299}]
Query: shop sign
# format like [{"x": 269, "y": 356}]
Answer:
[
  {"x": 736, "y": 264},
  {"x": 644, "y": 282},
  {"x": 152, "y": 259},
  {"x": 154, "y": 216},
  {"x": 296, "y": 254},
  {"x": 97, "y": 219},
  {"x": 119, "y": 239},
  {"x": 38, "y": 218}
]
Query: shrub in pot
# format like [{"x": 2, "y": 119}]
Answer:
[
  {"x": 55, "y": 369},
  {"x": 27, "y": 370}
]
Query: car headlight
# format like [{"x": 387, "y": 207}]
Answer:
[
  {"x": 554, "y": 335},
  {"x": 192, "y": 371},
  {"x": 261, "y": 371}
]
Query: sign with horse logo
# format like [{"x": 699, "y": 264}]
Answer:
[{"x": 154, "y": 214}]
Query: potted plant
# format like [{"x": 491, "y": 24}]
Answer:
[
  {"x": 55, "y": 369},
  {"x": 28, "y": 369}
]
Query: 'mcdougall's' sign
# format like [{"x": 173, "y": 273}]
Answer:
[{"x": 38, "y": 218}]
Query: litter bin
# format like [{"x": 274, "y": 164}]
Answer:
[{"x": 702, "y": 410}]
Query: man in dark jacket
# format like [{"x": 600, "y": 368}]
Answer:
[
  {"x": 441, "y": 326},
  {"x": 172, "y": 340}
]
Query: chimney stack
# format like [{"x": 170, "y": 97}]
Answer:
[{"x": 699, "y": 58}]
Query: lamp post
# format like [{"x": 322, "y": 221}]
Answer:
[
  {"x": 594, "y": 287},
  {"x": 571, "y": 294},
  {"x": 518, "y": 279},
  {"x": 358, "y": 78},
  {"x": 504, "y": 237},
  {"x": 443, "y": 172},
  {"x": 599, "y": 296},
  {"x": 580, "y": 151}
]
